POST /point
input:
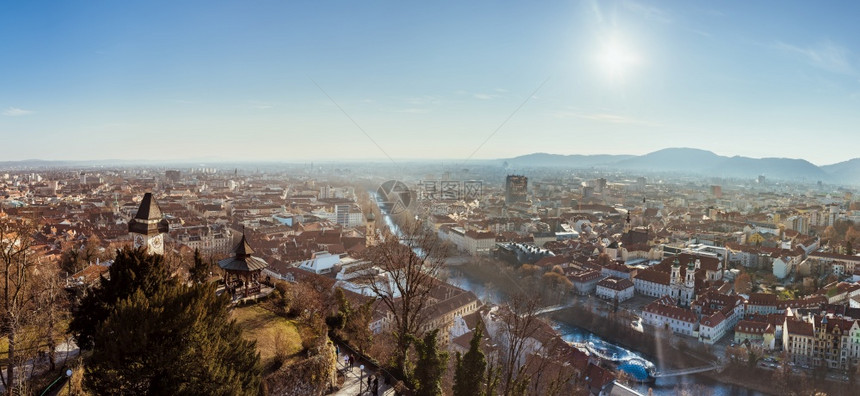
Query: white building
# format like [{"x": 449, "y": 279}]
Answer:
[
  {"x": 652, "y": 283},
  {"x": 613, "y": 288},
  {"x": 320, "y": 263},
  {"x": 783, "y": 266},
  {"x": 663, "y": 313}
]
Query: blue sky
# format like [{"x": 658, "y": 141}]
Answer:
[{"x": 212, "y": 79}]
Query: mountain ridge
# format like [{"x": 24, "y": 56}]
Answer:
[{"x": 694, "y": 161}]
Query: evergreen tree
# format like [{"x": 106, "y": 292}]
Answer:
[
  {"x": 470, "y": 368},
  {"x": 132, "y": 270},
  {"x": 177, "y": 342},
  {"x": 431, "y": 365},
  {"x": 199, "y": 271}
]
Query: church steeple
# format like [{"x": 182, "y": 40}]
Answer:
[
  {"x": 627, "y": 224},
  {"x": 370, "y": 230}
]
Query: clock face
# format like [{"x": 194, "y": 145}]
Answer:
[
  {"x": 156, "y": 242},
  {"x": 138, "y": 241}
]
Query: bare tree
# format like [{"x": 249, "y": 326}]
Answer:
[
  {"x": 18, "y": 297},
  {"x": 518, "y": 325},
  {"x": 407, "y": 276},
  {"x": 54, "y": 309}
]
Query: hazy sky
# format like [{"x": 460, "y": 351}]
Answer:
[{"x": 238, "y": 80}]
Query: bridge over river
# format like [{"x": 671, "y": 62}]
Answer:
[{"x": 685, "y": 371}]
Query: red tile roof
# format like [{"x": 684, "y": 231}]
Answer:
[{"x": 615, "y": 283}]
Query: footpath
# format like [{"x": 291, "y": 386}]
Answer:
[{"x": 355, "y": 381}]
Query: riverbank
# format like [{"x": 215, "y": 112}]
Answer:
[{"x": 666, "y": 354}]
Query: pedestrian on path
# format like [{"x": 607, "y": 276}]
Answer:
[
  {"x": 376, "y": 386},
  {"x": 369, "y": 378}
]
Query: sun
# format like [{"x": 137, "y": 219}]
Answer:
[{"x": 616, "y": 59}]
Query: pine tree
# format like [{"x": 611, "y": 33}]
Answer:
[
  {"x": 177, "y": 342},
  {"x": 199, "y": 271},
  {"x": 431, "y": 365},
  {"x": 470, "y": 368},
  {"x": 132, "y": 270}
]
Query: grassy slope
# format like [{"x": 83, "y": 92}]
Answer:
[{"x": 271, "y": 332}]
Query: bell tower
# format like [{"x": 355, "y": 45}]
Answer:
[
  {"x": 148, "y": 226},
  {"x": 370, "y": 230}
]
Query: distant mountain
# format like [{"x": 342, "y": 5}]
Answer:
[
  {"x": 570, "y": 161},
  {"x": 776, "y": 168},
  {"x": 702, "y": 162},
  {"x": 683, "y": 160},
  {"x": 847, "y": 171}
]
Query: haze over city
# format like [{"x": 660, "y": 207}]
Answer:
[
  {"x": 455, "y": 198},
  {"x": 379, "y": 80}
]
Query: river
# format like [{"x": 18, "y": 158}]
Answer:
[{"x": 662, "y": 386}]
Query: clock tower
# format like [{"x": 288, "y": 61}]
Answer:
[{"x": 148, "y": 226}]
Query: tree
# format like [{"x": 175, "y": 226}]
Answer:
[
  {"x": 177, "y": 341},
  {"x": 199, "y": 271},
  {"x": 75, "y": 258},
  {"x": 519, "y": 322},
  {"x": 852, "y": 235},
  {"x": 831, "y": 235},
  {"x": 54, "y": 303},
  {"x": 19, "y": 291},
  {"x": 603, "y": 259},
  {"x": 743, "y": 284},
  {"x": 353, "y": 323},
  {"x": 430, "y": 366},
  {"x": 403, "y": 287},
  {"x": 470, "y": 367},
  {"x": 132, "y": 270}
]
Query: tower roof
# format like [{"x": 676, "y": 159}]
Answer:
[
  {"x": 243, "y": 249},
  {"x": 243, "y": 259},
  {"x": 371, "y": 217},
  {"x": 148, "y": 209},
  {"x": 149, "y": 219}
]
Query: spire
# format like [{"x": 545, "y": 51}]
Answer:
[
  {"x": 149, "y": 209},
  {"x": 676, "y": 263},
  {"x": 148, "y": 220},
  {"x": 242, "y": 250}
]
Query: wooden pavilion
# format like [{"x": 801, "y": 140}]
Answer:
[{"x": 242, "y": 270}]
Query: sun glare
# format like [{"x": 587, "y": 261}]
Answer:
[{"x": 616, "y": 59}]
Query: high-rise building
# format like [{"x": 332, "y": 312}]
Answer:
[
  {"x": 516, "y": 189},
  {"x": 172, "y": 175},
  {"x": 341, "y": 212},
  {"x": 717, "y": 191}
]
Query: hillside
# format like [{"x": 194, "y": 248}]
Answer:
[{"x": 700, "y": 162}]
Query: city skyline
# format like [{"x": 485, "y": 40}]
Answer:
[{"x": 384, "y": 80}]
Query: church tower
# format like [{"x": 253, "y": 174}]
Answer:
[
  {"x": 676, "y": 271},
  {"x": 675, "y": 281},
  {"x": 627, "y": 224},
  {"x": 370, "y": 230},
  {"x": 148, "y": 226},
  {"x": 691, "y": 271},
  {"x": 689, "y": 292}
]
